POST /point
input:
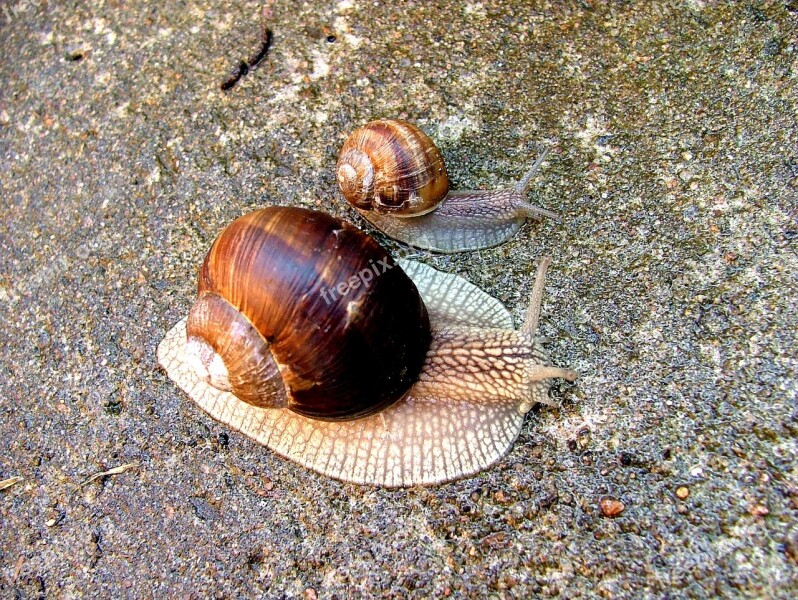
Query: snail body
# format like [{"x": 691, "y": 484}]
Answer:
[
  {"x": 307, "y": 337},
  {"x": 394, "y": 175}
]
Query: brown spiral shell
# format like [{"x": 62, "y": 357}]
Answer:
[
  {"x": 391, "y": 166},
  {"x": 339, "y": 355}
]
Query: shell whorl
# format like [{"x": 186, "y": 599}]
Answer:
[
  {"x": 231, "y": 354},
  {"x": 356, "y": 178},
  {"x": 392, "y": 167}
]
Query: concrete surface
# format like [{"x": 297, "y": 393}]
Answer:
[{"x": 672, "y": 292}]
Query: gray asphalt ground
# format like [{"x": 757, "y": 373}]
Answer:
[{"x": 672, "y": 292}]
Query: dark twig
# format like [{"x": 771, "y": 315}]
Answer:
[
  {"x": 243, "y": 67},
  {"x": 265, "y": 43}
]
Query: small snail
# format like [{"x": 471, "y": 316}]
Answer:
[
  {"x": 394, "y": 175},
  {"x": 307, "y": 337}
]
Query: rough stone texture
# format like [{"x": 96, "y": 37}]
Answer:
[{"x": 673, "y": 293}]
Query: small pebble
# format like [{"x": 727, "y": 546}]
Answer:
[
  {"x": 501, "y": 497},
  {"x": 611, "y": 507},
  {"x": 758, "y": 510},
  {"x": 203, "y": 509},
  {"x": 496, "y": 541},
  {"x": 682, "y": 492}
]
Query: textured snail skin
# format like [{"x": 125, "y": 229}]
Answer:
[
  {"x": 478, "y": 379},
  {"x": 394, "y": 175}
]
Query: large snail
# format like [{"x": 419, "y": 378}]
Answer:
[
  {"x": 307, "y": 337},
  {"x": 394, "y": 175}
]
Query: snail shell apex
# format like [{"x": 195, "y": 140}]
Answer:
[{"x": 392, "y": 167}]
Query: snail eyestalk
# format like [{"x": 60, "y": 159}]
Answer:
[
  {"x": 536, "y": 298},
  {"x": 522, "y": 187},
  {"x": 532, "y": 319}
]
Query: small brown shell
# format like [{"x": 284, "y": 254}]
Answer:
[{"x": 391, "y": 166}]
